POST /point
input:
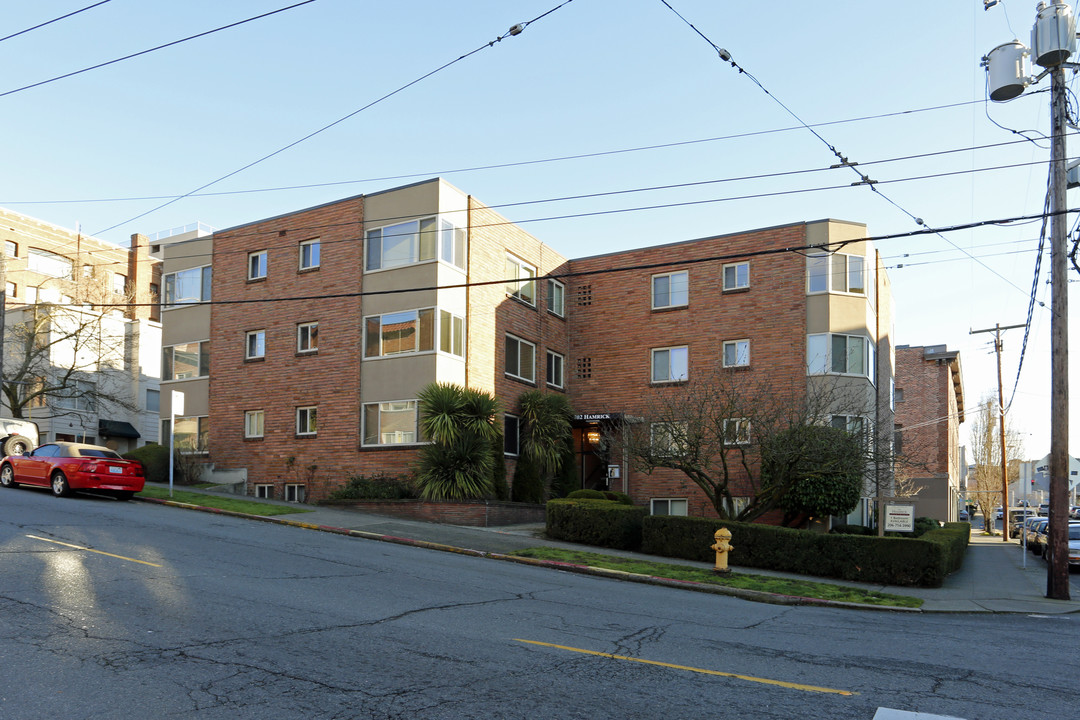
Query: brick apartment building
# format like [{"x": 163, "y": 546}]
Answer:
[
  {"x": 929, "y": 411},
  {"x": 94, "y": 305},
  {"x": 327, "y": 322}
]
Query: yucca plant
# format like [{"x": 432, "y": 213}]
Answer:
[
  {"x": 546, "y": 422},
  {"x": 460, "y": 461}
]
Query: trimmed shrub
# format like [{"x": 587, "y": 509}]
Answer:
[
  {"x": 595, "y": 522},
  {"x": 852, "y": 530},
  {"x": 155, "y": 462},
  {"x": 586, "y": 494},
  {"x": 619, "y": 497},
  {"x": 376, "y": 487}
]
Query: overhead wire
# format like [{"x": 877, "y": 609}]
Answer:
[
  {"x": 153, "y": 49},
  {"x": 50, "y": 22},
  {"x": 513, "y": 31}
]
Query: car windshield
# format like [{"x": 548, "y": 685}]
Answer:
[
  {"x": 1074, "y": 533},
  {"x": 91, "y": 452}
]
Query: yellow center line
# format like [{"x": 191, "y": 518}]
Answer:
[
  {"x": 99, "y": 552},
  {"x": 750, "y": 678}
]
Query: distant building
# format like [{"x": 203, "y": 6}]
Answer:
[
  {"x": 1034, "y": 482},
  {"x": 929, "y": 401},
  {"x": 90, "y": 307}
]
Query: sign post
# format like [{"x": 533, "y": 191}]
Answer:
[{"x": 176, "y": 407}]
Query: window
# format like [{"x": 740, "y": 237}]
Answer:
[
  {"x": 31, "y": 294},
  {"x": 307, "y": 337},
  {"x": 522, "y": 275},
  {"x": 840, "y": 354},
  {"x": 309, "y": 254},
  {"x": 898, "y": 395},
  {"x": 836, "y": 272},
  {"x": 295, "y": 492},
  {"x": 48, "y": 263},
  {"x": 520, "y": 359},
  {"x": 852, "y": 423},
  {"x": 11, "y": 249},
  {"x": 254, "y": 422},
  {"x": 670, "y": 290},
  {"x": 192, "y": 433},
  {"x": 403, "y": 332},
  {"x": 153, "y": 400},
  {"x": 736, "y": 353},
  {"x": 555, "y": 365},
  {"x": 188, "y": 286},
  {"x": 257, "y": 265},
  {"x": 264, "y": 491},
  {"x": 737, "y": 276},
  {"x": 556, "y": 298},
  {"x": 119, "y": 283},
  {"x": 451, "y": 333},
  {"x": 183, "y": 362},
  {"x": 78, "y": 395},
  {"x": 736, "y": 431},
  {"x": 306, "y": 420},
  {"x": 667, "y": 438},
  {"x": 9, "y": 289},
  {"x": 668, "y": 506},
  {"x": 415, "y": 241},
  {"x": 255, "y": 347},
  {"x": 669, "y": 364},
  {"x": 511, "y": 444},
  {"x": 390, "y": 423}
]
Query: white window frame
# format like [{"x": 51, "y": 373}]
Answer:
[
  {"x": 738, "y": 284},
  {"x": 517, "y": 371},
  {"x": 49, "y": 263},
  {"x": 820, "y": 356},
  {"x": 385, "y": 437},
  {"x": 670, "y": 502},
  {"x": 255, "y": 345},
  {"x": 307, "y": 337},
  {"x": 264, "y": 491},
  {"x": 451, "y": 334},
  {"x": 511, "y": 440},
  {"x": 307, "y": 421},
  {"x": 205, "y": 281},
  {"x": 254, "y": 423},
  {"x": 295, "y": 492},
  {"x": 521, "y": 280},
  {"x": 736, "y": 431},
  {"x": 310, "y": 254},
  {"x": 258, "y": 265},
  {"x": 741, "y": 353},
  {"x": 556, "y": 298},
  {"x": 119, "y": 284},
  {"x": 674, "y": 294},
  {"x": 671, "y": 369},
  {"x": 10, "y": 289},
  {"x": 824, "y": 274},
  {"x": 11, "y": 248},
  {"x": 424, "y": 239},
  {"x": 555, "y": 369}
]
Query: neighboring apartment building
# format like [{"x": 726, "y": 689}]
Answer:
[
  {"x": 93, "y": 308},
  {"x": 328, "y": 321},
  {"x": 929, "y": 411}
]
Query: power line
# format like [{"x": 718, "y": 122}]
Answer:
[
  {"x": 50, "y": 22},
  {"x": 150, "y": 50},
  {"x": 513, "y": 31}
]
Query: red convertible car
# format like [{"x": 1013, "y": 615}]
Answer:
[{"x": 67, "y": 467}]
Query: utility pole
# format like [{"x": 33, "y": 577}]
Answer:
[
  {"x": 1001, "y": 418},
  {"x": 1053, "y": 38}
]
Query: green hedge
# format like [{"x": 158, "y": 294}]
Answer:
[
  {"x": 892, "y": 561},
  {"x": 155, "y": 461},
  {"x": 604, "y": 523}
]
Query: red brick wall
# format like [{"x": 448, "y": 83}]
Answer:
[{"x": 927, "y": 391}]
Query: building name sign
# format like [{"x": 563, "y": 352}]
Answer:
[
  {"x": 899, "y": 517},
  {"x": 593, "y": 417}
]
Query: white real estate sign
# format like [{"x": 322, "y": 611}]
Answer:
[{"x": 899, "y": 517}]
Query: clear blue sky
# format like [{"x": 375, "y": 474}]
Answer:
[{"x": 593, "y": 76}]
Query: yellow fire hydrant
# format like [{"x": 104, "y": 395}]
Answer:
[{"x": 722, "y": 546}]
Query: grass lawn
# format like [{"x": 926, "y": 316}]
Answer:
[
  {"x": 221, "y": 502},
  {"x": 764, "y": 583}
]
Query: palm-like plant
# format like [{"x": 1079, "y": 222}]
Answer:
[
  {"x": 460, "y": 423},
  {"x": 546, "y": 421}
]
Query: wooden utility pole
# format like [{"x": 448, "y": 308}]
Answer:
[{"x": 1001, "y": 417}]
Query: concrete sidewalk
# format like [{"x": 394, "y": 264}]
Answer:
[{"x": 996, "y": 576}]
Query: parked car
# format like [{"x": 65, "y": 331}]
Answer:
[
  {"x": 1073, "y": 546},
  {"x": 1074, "y": 512},
  {"x": 1044, "y": 509},
  {"x": 1042, "y": 538},
  {"x": 963, "y": 516},
  {"x": 1033, "y": 535},
  {"x": 1016, "y": 522},
  {"x": 998, "y": 513},
  {"x": 68, "y": 467}
]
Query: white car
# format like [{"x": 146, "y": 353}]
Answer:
[{"x": 1073, "y": 546}]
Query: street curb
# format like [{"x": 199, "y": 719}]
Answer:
[{"x": 752, "y": 595}]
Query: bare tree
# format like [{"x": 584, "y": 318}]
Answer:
[
  {"x": 986, "y": 454},
  {"x": 713, "y": 431}
]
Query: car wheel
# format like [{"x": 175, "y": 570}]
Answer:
[
  {"x": 7, "y": 477},
  {"x": 60, "y": 486},
  {"x": 124, "y": 495}
]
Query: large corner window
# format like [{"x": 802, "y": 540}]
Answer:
[
  {"x": 836, "y": 273},
  {"x": 192, "y": 434},
  {"x": 188, "y": 286},
  {"x": 415, "y": 241},
  {"x": 390, "y": 423},
  {"x": 48, "y": 263},
  {"x": 397, "y": 333},
  {"x": 834, "y": 354},
  {"x": 521, "y": 279},
  {"x": 186, "y": 361}
]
